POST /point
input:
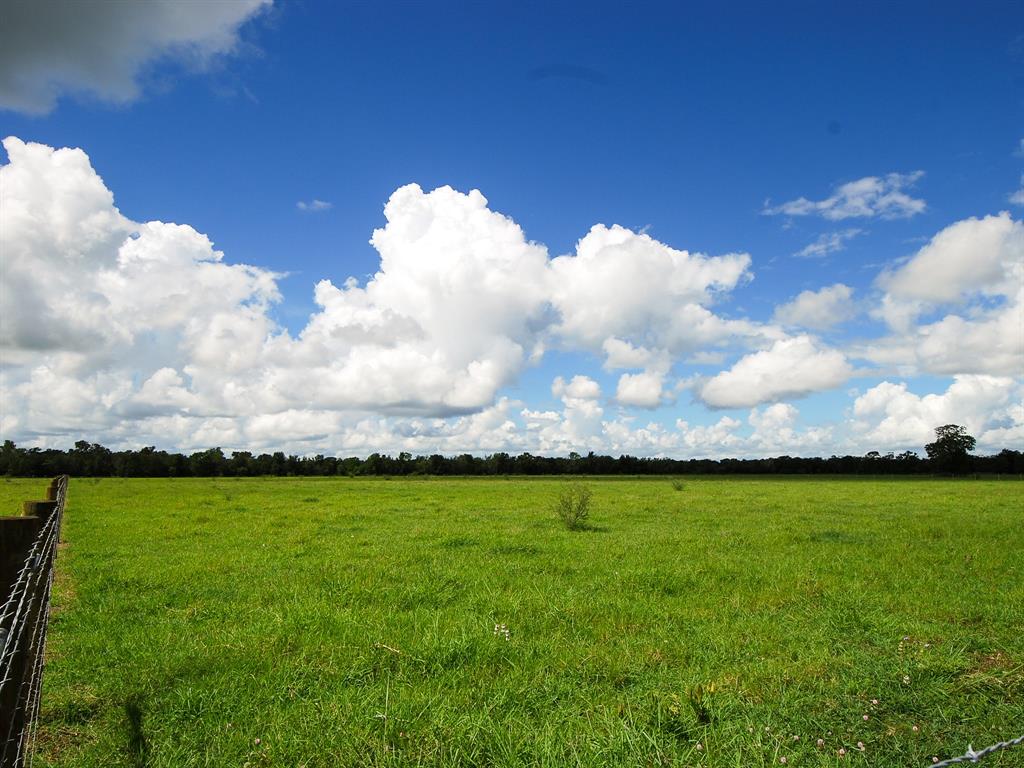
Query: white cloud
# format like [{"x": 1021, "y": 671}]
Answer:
[
  {"x": 578, "y": 388},
  {"x": 790, "y": 368},
  {"x": 719, "y": 438},
  {"x": 892, "y": 416},
  {"x": 80, "y": 277},
  {"x": 772, "y": 418},
  {"x": 455, "y": 311},
  {"x": 881, "y": 196},
  {"x": 775, "y": 432},
  {"x": 975, "y": 265},
  {"x": 991, "y": 341},
  {"x": 622, "y": 354},
  {"x": 1017, "y": 198},
  {"x": 974, "y": 255},
  {"x": 313, "y": 206},
  {"x": 629, "y": 295},
  {"x": 818, "y": 309},
  {"x": 828, "y": 242},
  {"x": 643, "y": 390},
  {"x": 580, "y": 421},
  {"x": 100, "y": 48}
]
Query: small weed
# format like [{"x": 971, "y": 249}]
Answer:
[
  {"x": 697, "y": 698},
  {"x": 573, "y": 506},
  {"x": 669, "y": 718},
  {"x": 677, "y": 485}
]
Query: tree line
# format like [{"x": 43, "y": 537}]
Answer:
[{"x": 94, "y": 460}]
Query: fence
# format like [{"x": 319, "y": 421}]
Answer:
[{"x": 28, "y": 548}]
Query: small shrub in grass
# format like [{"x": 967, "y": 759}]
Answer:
[
  {"x": 677, "y": 485},
  {"x": 573, "y": 506},
  {"x": 697, "y": 697}
]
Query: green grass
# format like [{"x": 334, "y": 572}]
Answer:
[{"x": 352, "y": 623}]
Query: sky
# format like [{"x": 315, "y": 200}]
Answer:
[{"x": 658, "y": 229}]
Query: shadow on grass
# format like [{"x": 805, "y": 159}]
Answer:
[
  {"x": 588, "y": 528},
  {"x": 138, "y": 750}
]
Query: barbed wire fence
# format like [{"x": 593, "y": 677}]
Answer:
[
  {"x": 30, "y": 550},
  {"x": 973, "y": 756}
]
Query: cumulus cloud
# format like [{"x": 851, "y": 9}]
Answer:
[
  {"x": 975, "y": 266},
  {"x": 819, "y": 309},
  {"x": 773, "y": 418},
  {"x": 772, "y": 430},
  {"x": 828, "y": 242},
  {"x": 1017, "y": 198},
  {"x": 974, "y": 255},
  {"x": 881, "y": 196},
  {"x": 623, "y": 287},
  {"x": 889, "y": 414},
  {"x": 577, "y": 388},
  {"x": 91, "y": 46},
  {"x": 580, "y": 421},
  {"x": 643, "y": 390},
  {"x": 790, "y": 368},
  {"x": 82, "y": 278},
  {"x": 622, "y": 354},
  {"x": 313, "y": 206},
  {"x": 454, "y": 313},
  {"x": 990, "y": 341}
]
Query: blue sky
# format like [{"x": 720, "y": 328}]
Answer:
[{"x": 696, "y": 128}]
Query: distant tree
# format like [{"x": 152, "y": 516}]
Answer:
[
  {"x": 208, "y": 463},
  {"x": 949, "y": 451}
]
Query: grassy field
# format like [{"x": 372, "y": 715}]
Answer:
[{"x": 340, "y": 622}]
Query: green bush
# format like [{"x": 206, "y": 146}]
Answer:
[
  {"x": 573, "y": 506},
  {"x": 677, "y": 485}
]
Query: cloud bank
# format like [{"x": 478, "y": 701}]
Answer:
[{"x": 135, "y": 333}]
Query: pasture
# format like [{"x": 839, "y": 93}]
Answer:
[{"x": 362, "y": 622}]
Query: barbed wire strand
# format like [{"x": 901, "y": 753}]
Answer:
[
  {"x": 22, "y": 677},
  {"x": 15, "y": 603},
  {"x": 35, "y": 700},
  {"x": 973, "y": 756},
  {"x": 33, "y": 560},
  {"x": 35, "y": 682},
  {"x": 12, "y": 638},
  {"x": 27, "y": 688},
  {"x": 10, "y": 675}
]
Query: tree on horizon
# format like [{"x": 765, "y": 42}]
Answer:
[{"x": 950, "y": 450}]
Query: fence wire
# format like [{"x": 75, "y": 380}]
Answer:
[
  {"x": 973, "y": 756},
  {"x": 24, "y": 618}
]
